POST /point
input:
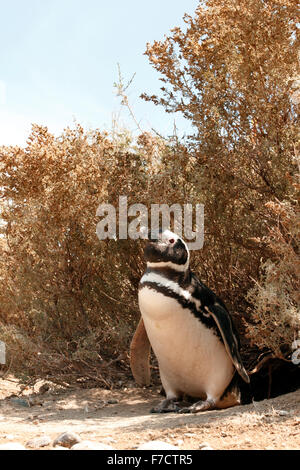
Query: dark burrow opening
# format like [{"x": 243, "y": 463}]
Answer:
[{"x": 276, "y": 377}]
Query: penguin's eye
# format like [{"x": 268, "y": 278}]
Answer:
[{"x": 171, "y": 240}]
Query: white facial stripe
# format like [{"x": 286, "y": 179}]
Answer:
[
  {"x": 168, "y": 264},
  {"x": 173, "y": 286},
  {"x": 167, "y": 235}
]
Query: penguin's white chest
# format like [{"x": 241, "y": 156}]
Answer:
[{"x": 192, "y": 359}]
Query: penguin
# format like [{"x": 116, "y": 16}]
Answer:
[{"x": 189, "y": 329}]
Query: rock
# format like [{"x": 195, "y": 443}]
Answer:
[
  {"x": 247, "y": 441},
  {"x": 179, "y": 442},
  {"x": 90, "y": 445},
  {"x": 37, "y": 442},
  {"x": 112, "y": 401},
  {"x": 157, "y": 445},
  {"x": 20, "y": 402},
  {"x": 283, "y": 413},
  {"x": 190, "y": 434},
  {"x": 207, "y": 448},
  {"x": 110, "y": 440},
  {"x": 12, "y": 446},
  {"x": 204, "y": 445},
  {"x": 44, "y": 388},
  {"x": 67, "y": 439}
]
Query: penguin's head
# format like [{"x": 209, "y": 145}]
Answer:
[{"x": 166, "y": 249}]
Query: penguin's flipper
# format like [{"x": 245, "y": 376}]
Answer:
[
  {"x": 140, "y": 355},
  {"x": 227, "y": 330}
]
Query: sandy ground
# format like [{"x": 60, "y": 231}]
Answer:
[{"x": 126, "y": 422}]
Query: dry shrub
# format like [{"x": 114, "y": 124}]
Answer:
[
  {"x": 232, "y": 74},
  {"x": 276, "y": 296},
  {"x": 71, "y": 295}
]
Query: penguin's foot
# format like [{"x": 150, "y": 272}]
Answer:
[
  {"x": 169, "y": 405},
  {"x": 199, "y": 406}
]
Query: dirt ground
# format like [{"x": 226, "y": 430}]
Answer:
[{"x": 122, "y": 419}]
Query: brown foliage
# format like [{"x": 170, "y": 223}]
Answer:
[
  {"x": 68, "y": 299},
  {"x": 62, "y": 290}
]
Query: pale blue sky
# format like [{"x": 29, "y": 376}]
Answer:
[{"x": 58, "y": 62}]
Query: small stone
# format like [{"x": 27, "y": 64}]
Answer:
[
  {"x": 12, "y": 446},
  {"x": 109, "y": 439},
  {"x": 37, "y": 442},
  {"x": 112, "y": 401},
  {"x": 179, "y": 442},
  {"x": 203, "y": 444},
  {"x": 283, "y": 413},
  {"x": 90, "y": 445},
  {"x": 157, "y": 445},
  {"x": 44, "y": 388},
  {"x": 20, "y": 402},
  {"x": 10, "y": 437},
  {"x": 66, "y": 439},
  {"x": 207, "y": 448}
]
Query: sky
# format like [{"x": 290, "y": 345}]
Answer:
[{"x": 58, "y": 63}]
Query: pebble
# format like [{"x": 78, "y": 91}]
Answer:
[
  {"x": 179, "y": 442},
  {"x": 90, "y": 445},
  {"x": 283, "y": 413},
  {"x": 112, "y": 401},
  {"x": 20, "y": 402},
  {"x": 110, "y": 440},
  {"x": 66, "y": 439},
  {"x": 247, "y": 441},
  {"x": 157, "y": 445},
  {"x": 12, "y": 446},
  {"x": 207, "y": 448},
  {"x": 203, "y": 444},
  {"x": 44, "y": 388},
  {"x": 37, "y": 442}
]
